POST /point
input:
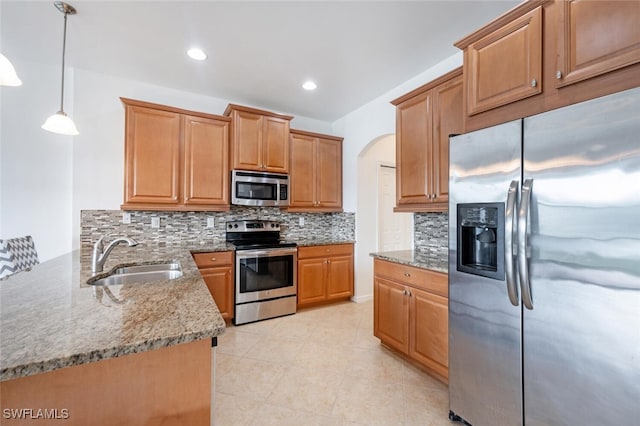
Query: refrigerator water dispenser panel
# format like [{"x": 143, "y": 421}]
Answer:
[{"x": 481, "y": 239}]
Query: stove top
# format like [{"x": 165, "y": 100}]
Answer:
[
  {"x": 255, "y": 234},
  {"x": 248, "y": 245}
]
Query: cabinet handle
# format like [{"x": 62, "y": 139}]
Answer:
[
  {"x": 410, "y": 294},
  {"x": 559, "y": 75},
  {"x": 534, "y": 83},
  {"x": 406, "y": 274},
  {"x": 329, "y": 261},
  {"x": 213, "y": 259},
  {"x": 404, "y": 291}
]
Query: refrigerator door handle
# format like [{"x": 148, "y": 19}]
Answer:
[
  {"x": 523, "y": 260},
  {"x": 510, "y": 227}
]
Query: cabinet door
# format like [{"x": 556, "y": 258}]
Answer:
[
  {"x": 506, "y": 65},
  {"x": 247, "y": 140},
  {"x": 220, "y": 284},
  {"x": 303, "y": 176},
  {"x": 311, "y": 281},
  {"x": 413, "y": 138},
  {"x": 447, "y": 120},
  {"x": 152, "y": 156},
  {"x": 275, "y": 145},
  {"x": 329, "y": 174},
  {"x": 340, "y": 277},
  {"x": 596, "y": 37},
  {"x": 391, "y": 314},
  {"x": 429, "y": 330},
  {"x": 206, "y": 170}
]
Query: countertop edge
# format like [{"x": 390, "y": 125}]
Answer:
[{"x": 415, "y": 259}]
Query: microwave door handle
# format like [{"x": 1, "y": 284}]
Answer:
[
  {"x": 510, "y": 227},
  {"x": 523, "y": 252}
]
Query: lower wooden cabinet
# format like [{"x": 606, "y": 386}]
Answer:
[
  {"x": 325, "y": 273},
  {"x": 216, "y": 269},
  {"x": 411, "y": 314}
]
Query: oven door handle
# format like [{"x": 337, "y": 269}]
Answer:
[{"x": 244, "y": 254}]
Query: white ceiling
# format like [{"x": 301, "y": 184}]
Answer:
[{"x": 260, "y": 53}]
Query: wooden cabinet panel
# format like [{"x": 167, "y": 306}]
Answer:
[
  {"x": 413, "y": 137},
  {"x": 506, "y": 65},
  {"x": 596, "y": 37},
  {"x": 325, "y": 273},
  {"x": 311, "y": 281},
  {"x": 247, "y": 128},
  {"x": 303, "y": 175},
  {"x": 152, "y": 153},
  {"x": 329, "y": 173},
  {"x": 391, "y": 314},
  {"x": 275, "y": 150},
  {"x": 217, "y": 271},
  {"x": 429, "y": 330},
  {"x": 259, "y": 140},
  {"x": 316, "y": 172},
  {"x": 206, "y": 167},
  {"x": 409, "y": 316},
  {"x": 220, "y": 284},
  {"x": 175, "y": 159},
  {"x": 447, "y": 120},
  {"x": 424, "y": 119},
  {"x": 340, "y": 277}
]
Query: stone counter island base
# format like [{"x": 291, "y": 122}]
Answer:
[
  {"x": 168, "y": 386},
  {"x": 126, "y": 354}
]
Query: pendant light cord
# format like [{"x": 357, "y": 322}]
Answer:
[{"x": 64, "y": 46}]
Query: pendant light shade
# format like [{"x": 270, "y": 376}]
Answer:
[
  {"x": 8, "y": 76},
  {"x": 60, "y": 122}
]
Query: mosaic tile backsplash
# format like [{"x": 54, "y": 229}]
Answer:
[
  {"x": 431, "y": 233},
  {"x": 191, "y": 227}
]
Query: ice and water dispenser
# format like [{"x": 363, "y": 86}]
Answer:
[{"x": 481, "y": 239}]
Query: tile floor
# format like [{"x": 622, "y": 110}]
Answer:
[{"x": 321, "y": 366}]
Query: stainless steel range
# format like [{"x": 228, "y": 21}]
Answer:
[{"x": 266, "y": 269}]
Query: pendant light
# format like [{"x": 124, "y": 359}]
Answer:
[
  {"x": 8, "y": 76},
  {"x": 60, "y": 122}
]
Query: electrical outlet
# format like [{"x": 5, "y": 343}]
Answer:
[
  {"x": 155, "y": 222},
  {"x": 301, "y": 221},
  {"x": 211, "y": 222},
  {"x": 126, "y": 218}
]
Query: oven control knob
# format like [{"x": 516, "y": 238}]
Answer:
[
  {"x": 235, "y": 225},
  {"x": 230, "y": 226},
  {"x": 273, "y": 225}
]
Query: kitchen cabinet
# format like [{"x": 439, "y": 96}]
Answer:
[
  {"x": 217, "y": 271},
  {"x": 259, "y": 139},
  {"x": 425, "y": 118},
  {"x": 175, "y": 159},
  {"x": 547, "y": 54},
  {"x": 325, "y": 273},
  {"x": 316, "y": 172},
  {"x": 410, "y": 308}
]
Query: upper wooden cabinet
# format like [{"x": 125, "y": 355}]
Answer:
[
  {"x": 546, "y": 54},
  {"x": 595, "y": 37},
  {"x": 259, "y": 139},
  {"x": 425, "y": 118},
  {"x": 505, "y": 65},
  {"x": 316, "y": 172},
  {"x": 175, "y": 159}
]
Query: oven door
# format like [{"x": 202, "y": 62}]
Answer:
[{"x": 265, "y": 274}]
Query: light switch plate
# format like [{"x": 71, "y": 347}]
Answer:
[
  {"x": 155, "y": 222},
  {"x": 126, "y": 218},
  {"x": 301, "y": 221},
  {"x": 211, "y": 222}
]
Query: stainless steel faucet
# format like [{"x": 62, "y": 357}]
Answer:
[{"x": 100, "y": 254}]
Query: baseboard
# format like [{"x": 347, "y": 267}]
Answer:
[{"x": 361, "y": 299}]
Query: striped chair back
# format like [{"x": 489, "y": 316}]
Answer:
[
  {"x": 7, "y": 261},
  {"x": 21, "y": 255}
]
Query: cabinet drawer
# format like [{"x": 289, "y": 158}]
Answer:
[
  {"x": 210, "y": 259},
  {"x": 434, "y": 282},
  {"x": 324, "y": 251}
]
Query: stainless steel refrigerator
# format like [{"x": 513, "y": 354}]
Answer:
[{"x": 544, "y": 268}]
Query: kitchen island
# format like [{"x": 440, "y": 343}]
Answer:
[{"x": 131, "y": 353}]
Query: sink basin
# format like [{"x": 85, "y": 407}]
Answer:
[{"x": 140, "y": 274}]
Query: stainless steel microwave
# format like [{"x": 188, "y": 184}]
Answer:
[{"x": 259, "y": 189}]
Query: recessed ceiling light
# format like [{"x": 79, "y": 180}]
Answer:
[
  {"x": 309, "y": 85},
  {"x": 197, "y": 54}
]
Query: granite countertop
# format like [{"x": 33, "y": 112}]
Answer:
[
  {"x": 415, "y": 258},
  {"x": 50, "y": 318},
  {"x": 320, "y": 241}
]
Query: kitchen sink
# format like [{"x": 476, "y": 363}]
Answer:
[{"x": 139, "y": 274}]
